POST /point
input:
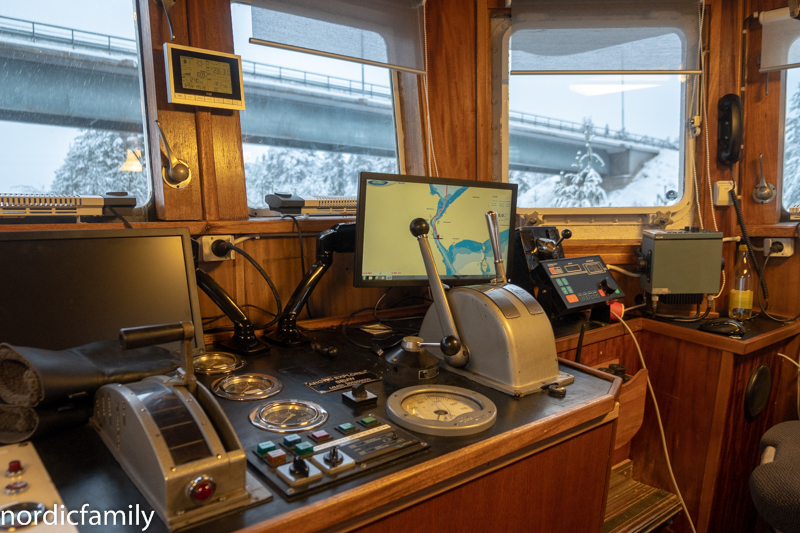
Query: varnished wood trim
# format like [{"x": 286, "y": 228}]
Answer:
[
  {"x": 715, "y": 441},
  {"x": 723, "y": 343},
  {"x": 208, "y": 171},
  {"x": 592, "y": 336},
  {"x": 781, "y": 229}
]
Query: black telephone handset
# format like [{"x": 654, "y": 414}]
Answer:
[{"x": 729, "y": 129}]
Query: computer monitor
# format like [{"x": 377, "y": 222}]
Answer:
[
  {"x": 62, "y": 289},
  {"x": 388, "y": 255}
]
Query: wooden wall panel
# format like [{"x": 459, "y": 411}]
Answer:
[
  {"x": 177, "y": 122},
  {"x": 684, "y": 376},
  {"x": 218, "y": 131},
  {"x": 452, "y": 86},
  {"x": 560, "y": 480}
]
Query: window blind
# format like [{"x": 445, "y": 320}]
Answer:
[
  {"x": 620, "y": 36},
  {"x": 386, "y": 33},
  {"x": 779, "y": 40}
]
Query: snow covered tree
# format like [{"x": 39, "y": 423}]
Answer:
[
  {"x": 309, "y": 173},
  {"x": 583, "y": 187},
  {"x": 791, "y": 153},
  {"x": 92, "y": 166}
]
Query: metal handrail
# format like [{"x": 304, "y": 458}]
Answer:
[{"x": 63, "y": 34}]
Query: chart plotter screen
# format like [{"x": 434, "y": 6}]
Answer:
[{"x": 386, "y": 252}]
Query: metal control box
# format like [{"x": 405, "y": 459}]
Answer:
[{"x": 685, "y": 261}]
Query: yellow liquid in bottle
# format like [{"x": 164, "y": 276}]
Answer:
[{"x": 740, "y": 305}]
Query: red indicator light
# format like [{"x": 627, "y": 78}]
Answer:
[
  {"x": 202, "y": 489},
  {"x": 14, "y": 467}
]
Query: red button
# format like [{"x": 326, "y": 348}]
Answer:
[
  {"x": 14, "y": 467},
  {"x": 571, "y": 298},
  {"x": 601, "y": 292},
  {"x": 552, "y": 270},
  {"x": 203, "y": 490}
]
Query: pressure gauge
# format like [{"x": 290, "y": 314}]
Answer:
[
  {"x": 441, "y": 410},
  {"x": 217, "y": 363},
  {"x": 247, "y": 387},
  {"x": 288, "y": 416}
]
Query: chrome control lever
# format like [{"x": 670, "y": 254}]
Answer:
[
  {"x": 419, "y": 229},
  {"x": 494, "y": 237},
  {"x": 178, "y": 175}
]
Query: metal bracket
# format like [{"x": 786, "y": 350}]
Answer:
[
  {"x": 530, "y": 220},
  {"x": 661, "y": 219},
  {"x": 167, "y": 5}
]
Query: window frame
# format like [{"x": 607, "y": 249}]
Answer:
[
  {"x": 619, "y": 222},
  {"x": 398, "y": 97}
]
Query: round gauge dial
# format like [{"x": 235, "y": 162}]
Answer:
[
  {"x": 440, "y": 406},
  {"x": 247, "y": 387},
  {"x": 441, "y": 410},
  {"x": 217, "y": 363},
  {"x": 288, "y": 416}
]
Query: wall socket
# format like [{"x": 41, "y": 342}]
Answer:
[
  {"x": 205, "y": 248},
  {"x": 788, "y": 247},
  {"x": 721, "y": 192}
]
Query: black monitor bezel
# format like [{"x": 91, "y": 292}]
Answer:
[
  {"x": 360, "y": 213},
  {"x": 186, "y": 242}
]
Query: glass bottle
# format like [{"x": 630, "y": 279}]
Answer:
[{"x": 740, "y": 301}]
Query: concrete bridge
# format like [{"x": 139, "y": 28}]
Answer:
[{"x": 67, "y": 77}]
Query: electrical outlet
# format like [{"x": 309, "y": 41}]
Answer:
[
  {"x": 787, "y": 251},
  {"x": 721, "y": 192},
  {"x": 205, "y": 248}
]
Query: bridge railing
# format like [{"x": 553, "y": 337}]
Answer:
[
  {"x": 319, "y": 80},
  {"x": 578, "y": 127},
  {"x": 69, "y": 36}
]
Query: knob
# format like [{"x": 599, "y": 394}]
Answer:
[
  {"x": 419, "y": 226},
  {"x": 333, "y": 457},
  {"x": 450, "y": 345},
  {"x": 605, "y": 287},
  {"x": 566, "y": 233},
  {"x": 359, "y": 391},
  {"x": 299, "y": 467}
]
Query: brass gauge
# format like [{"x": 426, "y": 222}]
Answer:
[
  {"x": 247, "y": 387},
  {"x": 288, "y": 416},
  {"x": 441, "y": 410}
]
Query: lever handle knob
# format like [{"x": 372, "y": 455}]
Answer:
[
  {"x": 566, "y": 233},
  {"x": 178, "y": 174},
  {"x": 450, "y": 345},
  {"x": 419, "y": 226}
]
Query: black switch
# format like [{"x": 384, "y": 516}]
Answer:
[
  {"x": 359, "y": 397},
  {"x": 299, "y": 467}
]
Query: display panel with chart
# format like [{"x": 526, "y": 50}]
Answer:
[
  {"x": 203, "y": 77},
  {"x": 388, "y": 255}
]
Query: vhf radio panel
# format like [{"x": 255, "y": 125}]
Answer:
[{"x": 566, "y": 286}]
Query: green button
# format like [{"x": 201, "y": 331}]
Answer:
[
  {"x": 560, "y": 281},
  {"x": 347, "y": 428},
  {"x": 368, "y": 421},
  {"x": 304, "y": 448},
  {"x": 564, "y": 290},
  {"x": 291, "y": 440},
  {"x": 570, "y": 290},
  {"x": 264, "y": 448}
]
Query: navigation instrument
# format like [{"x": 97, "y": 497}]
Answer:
[
  {"x": 387, "y": 255},
  {"x": 441, "y": 410}
]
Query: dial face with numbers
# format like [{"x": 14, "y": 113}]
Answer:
[
  {"x": 439, "y": 406},
  {"x": 441, "y": 410},
  {"x": 288, "y": 416}
]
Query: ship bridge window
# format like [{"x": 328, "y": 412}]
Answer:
[
  {"x": 315, "y": 120},
  {"x": 597, "y": 101},
  {"x": 71, "y": 102}
]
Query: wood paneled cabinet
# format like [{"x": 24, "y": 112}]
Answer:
[{"x": 700, "y": 380}]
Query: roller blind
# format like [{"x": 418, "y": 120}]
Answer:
[
  {"x": 636, "y": 36},
  {"x": 779, "y": 40},
  {"x": 385, "y": 33}
]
